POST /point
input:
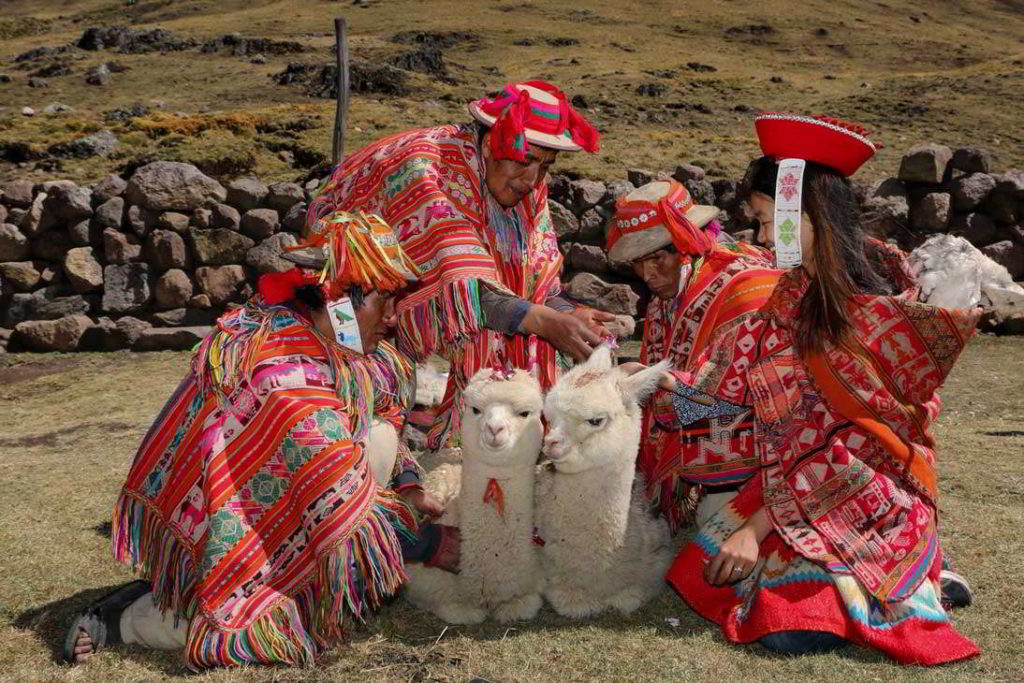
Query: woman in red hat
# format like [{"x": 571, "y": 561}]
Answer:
[
  {"x": 834, "y": 539},
  {"x": 469, "y": 205}
]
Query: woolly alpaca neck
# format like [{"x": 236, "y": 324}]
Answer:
[
  {"x": 490, "y": 538},
  {"x": 517, "y": 489},
  {"x": 604, "y": 492},
  {"x": 612, "y": 485}
]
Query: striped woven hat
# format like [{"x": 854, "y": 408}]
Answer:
[
  {"x": 656, "y": 215},
  {"x": 533, "y": 112}
]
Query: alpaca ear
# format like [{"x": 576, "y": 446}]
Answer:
[
  {"x": 600, "y": 359},
  {"x": 639, "y": 386}
]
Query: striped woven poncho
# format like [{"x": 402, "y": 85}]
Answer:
[
  {"x": 428, "y": 186},
  {"x": 250, "y": 504},
  {"x": 720, "y": 290}
]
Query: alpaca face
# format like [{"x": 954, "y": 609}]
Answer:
[
  {"x": 501, "y": 423},
  {"x": 593, "y": 414}
]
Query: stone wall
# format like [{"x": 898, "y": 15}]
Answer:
[
  {"x": 145, "y": 263},
  {"x": 150, "y": 262}
]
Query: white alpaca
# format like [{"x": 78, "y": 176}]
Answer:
[
  {"x": 498, "y": 565},
  {"x": 602, "y": 548}
]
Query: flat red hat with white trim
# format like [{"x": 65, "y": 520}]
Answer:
[{"x": 825, "y": 140}]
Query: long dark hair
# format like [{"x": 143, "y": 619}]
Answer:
[{"x": 842, "y": 269}]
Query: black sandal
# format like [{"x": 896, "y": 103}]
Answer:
[{"x": 102, "y": 619}]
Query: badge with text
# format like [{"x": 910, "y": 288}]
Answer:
[
  {"x": 788, "y": 212},
  {"x": 344, "y": 324}
]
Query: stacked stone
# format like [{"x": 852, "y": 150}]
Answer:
[
  {"x": 944, "y": 190},
  {"x": 146, "y": 263},
  {"x": 150, "y": 262}
]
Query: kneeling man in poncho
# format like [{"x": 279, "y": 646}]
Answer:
[
  {"x": 702, "y": 283},
  {"x": 268, "y": 502}
]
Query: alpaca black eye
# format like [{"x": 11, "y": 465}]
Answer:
[
  {"x": 476, "y": 411},
  {"x": 595, "y": 421},
  {"x": 524, "y": 413}
]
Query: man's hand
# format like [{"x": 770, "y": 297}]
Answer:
[
  {"x": 564, "y": 331},
  {"x": 594, "y": 319},
  {"x": 667, "y": 381},
  {"x": 448, "y": 552},
  {"x": 425, "y": 502}
]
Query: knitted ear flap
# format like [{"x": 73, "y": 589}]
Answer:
[
  {"x": 686, "y": 237},
  {"x": 508, "y": 134}
]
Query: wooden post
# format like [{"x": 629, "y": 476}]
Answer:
[{"x": 341, "y": 114}]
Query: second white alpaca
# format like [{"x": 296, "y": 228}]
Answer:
[
  {"x": 602, "y": 548},
  {"x": 498, "y": 565}
]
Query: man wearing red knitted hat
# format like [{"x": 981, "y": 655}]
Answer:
[
  {"x": 703, "y": 283},
  {"x": 469, "y": 205}
]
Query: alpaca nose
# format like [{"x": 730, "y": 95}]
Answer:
[
  {"x": 495, "y": 430},
  {"x": 553, "y": 446}
]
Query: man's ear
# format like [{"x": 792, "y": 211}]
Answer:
[{"x": 485, "y": 147}]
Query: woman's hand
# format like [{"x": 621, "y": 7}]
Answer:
[
  {"x": 564, "y": 331},
  {"x": 735, "y": 560},
  {"x": 426, "y": 503}
]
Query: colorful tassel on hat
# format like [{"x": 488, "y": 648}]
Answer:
[
  {"x": 515, "y": 113},
  {"x": 362, "y": 250}
]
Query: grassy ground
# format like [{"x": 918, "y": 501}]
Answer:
[
  {"x": 913, "y": 70},
  {"x": 71, "y": 424}
]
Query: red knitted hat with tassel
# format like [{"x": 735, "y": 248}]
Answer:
[
  {"x": 533, "y": 113},
  {"x": 825, "y": 140}
]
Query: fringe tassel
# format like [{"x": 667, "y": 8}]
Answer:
[
  {"x": 350, "y": 580},
  {"x": 143, "y": 541},
  {"x": 443, "y": 322},
  {"x": 676, "y": 500}
]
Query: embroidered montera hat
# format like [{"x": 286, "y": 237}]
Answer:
[
  {"x": 828, "y": 141},
  {"x": 793, "y": 140},
  {"x": 656, "y": 215},
  {"x": 533, "y": 113}
]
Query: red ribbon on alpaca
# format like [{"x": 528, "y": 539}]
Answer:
[{"x": 496, "y": 494}]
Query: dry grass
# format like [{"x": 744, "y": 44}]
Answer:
[
  {"x": 72, "y": 422},
  {"x": 944, "y": 70}
]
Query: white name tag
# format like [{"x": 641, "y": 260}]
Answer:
[
  {"x": 788, "y": 213},
  {"x": 344, "y": 324}
]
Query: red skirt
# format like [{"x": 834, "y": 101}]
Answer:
[{"x": 787, "y": 592}]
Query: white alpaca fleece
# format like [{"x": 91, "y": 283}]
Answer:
[
  {"x": 602, "y": 548},
  {"x": 498, "y": 566}
]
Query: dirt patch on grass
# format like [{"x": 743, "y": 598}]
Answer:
[
  {"x": 51, "y": 439},
  {"x": 24, "y": 372}
]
